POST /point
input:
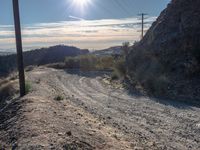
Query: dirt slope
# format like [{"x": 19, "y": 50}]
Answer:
[
  {"x": 39, "y": 122},
  {"x": 94, "y": 115}
]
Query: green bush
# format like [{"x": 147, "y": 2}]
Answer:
[
  {"x": 28, "y": 87},
  {"x": 59, "y": 98},
  {"x": 125, "y": 48}
]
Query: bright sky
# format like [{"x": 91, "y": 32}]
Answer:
[{"x": 92, "y": 24}]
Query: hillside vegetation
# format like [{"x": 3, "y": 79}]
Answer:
[
  {"x": 91, "y": 62},
  {"x": 167, "y": 60},
  {"x": 40, "y": 57}
]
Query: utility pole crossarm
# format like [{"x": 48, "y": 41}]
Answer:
[{"x": 19, "y": 47}]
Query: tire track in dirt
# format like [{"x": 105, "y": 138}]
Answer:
[{"x": 171, "y": 125}]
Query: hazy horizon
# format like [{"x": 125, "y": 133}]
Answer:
[{"x": 92, "y": 25}]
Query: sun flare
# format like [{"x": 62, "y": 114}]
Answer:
[{"x": 81, "y": 3}]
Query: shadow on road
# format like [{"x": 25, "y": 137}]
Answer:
[
  {"x": 180, "y": 103},
  {"x": 177, "y": 103}
]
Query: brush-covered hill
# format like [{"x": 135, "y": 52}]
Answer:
[
  {"x": 41, "y": 56},
  {"x": 116, "y": 50},
  {"x": 167, "y": 60},
  {"x": 3, "y": 53}
]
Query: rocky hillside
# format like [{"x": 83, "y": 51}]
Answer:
[
  {"x": 176, "y": 28},
  {"x": 169, "y": 54},
  {"x": 41, "y": 56}
]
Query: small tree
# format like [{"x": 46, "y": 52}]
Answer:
[{"x": 125, "y": 48}]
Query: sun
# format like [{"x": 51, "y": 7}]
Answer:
[
  {"x": 81, "y": 3},
  {"x": 80, "y": 7}
]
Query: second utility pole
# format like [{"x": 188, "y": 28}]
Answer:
[{"x": 142, "y": 31}]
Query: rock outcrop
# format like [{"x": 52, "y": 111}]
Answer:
[
  {"x": 168, "y": 57},
  {"x": 178, "y": 27}
]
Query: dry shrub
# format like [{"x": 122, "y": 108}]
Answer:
[
  {"x": 28, "y": 87},
  {"x": 148, "y": 71},
  {"x": 119, "y": 70},
  {"x": 89, "y": 62},
  {"x": 29, "y": 68},
  {"x": 3, "y": 81},
  {"x": 157, "y": 85},
  {"x": 105, "y": 63},
  {"x": 93, "y": 62},
  {"x": 7, "y": 90},
  {"x": 56, "y": 65}
]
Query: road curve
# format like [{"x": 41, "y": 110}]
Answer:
[{"x": 165, "y": 124}]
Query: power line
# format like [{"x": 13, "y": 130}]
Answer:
[
  {"x": 121, "y": 6},
  {"x": 103, "y": 7}
]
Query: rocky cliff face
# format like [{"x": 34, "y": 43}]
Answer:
[
  {"x": 178, "y": 27},
  {"x": 168, "y": 57}
]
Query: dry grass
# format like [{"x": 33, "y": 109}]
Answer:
[
  {"x": 7, "y": 89},
  {"x": 90, "y": 62},
  {"x": 94, "y": 63}
]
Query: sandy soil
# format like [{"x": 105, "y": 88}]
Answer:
[{"x": 94, "y": 115}]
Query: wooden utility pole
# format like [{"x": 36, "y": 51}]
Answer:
[
  {"x": 19, "y": 47},
  {"x": 142, "y": 23}
]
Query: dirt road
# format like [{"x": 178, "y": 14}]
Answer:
[{"x": 123, "y": 120}]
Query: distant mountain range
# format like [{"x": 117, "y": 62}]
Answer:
[
  {"x": 117, "y": 50},
  {"x": 41, "y": 56},
  {"x": 3, "y": 53},
  {"x": 49, "y": 55}
]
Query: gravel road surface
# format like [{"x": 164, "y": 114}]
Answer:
[{"x": 147, "y": 122}]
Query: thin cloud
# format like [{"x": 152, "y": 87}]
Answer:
[
  {"x": 76, "y": 18},
  {"x": 90, "y": 34}
]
